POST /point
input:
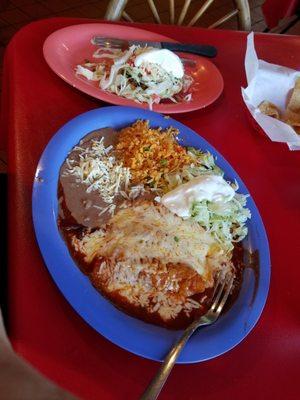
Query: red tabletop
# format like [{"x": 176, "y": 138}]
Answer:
[{"x": 42, "y": 325}]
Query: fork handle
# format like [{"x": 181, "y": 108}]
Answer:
[
  {"x": 157, "y": 383},
  {"x": 200, "y": 49}
]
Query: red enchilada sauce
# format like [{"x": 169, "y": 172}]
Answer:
[{"x": 70, "y": 228}]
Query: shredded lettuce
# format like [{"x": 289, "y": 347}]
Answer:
[
  {"x": 148, "y": 83},
  {"x": 204, "y": 163},
  {"x": 225, "y": 221}
]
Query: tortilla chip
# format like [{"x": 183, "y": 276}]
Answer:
[
  {"x": 292, "y": 118},
  {"x": 294, "y": 103},
  {"x": 292, "y": 112},
  {"x": 268, "y": 108}
]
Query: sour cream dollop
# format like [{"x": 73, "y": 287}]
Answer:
[
  {"x": 168, "y": 60},
  {"x": 206, "y": 187}
]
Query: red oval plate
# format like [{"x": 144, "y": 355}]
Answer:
[{"x": 67, "y": 47}]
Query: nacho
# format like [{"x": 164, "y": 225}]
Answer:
[
  {"x": 292, "y": 113},
  {"x": 294, "y": 103},
  {"x": 268, "y": 108}
]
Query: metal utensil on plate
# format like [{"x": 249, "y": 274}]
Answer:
[
  {"x": 199, "y": 49},
  {"x": 112, "y": 43},
  {"x": 220, "y": 296}
]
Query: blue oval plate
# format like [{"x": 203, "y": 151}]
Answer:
[{"x": 129, "y": 333}]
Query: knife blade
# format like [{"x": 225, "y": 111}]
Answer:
[{"x": 199, "y": 49}]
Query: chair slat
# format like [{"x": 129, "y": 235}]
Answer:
[
  {"x": 224, "y": 19},
  {"x": 154, "y": 11},
  {"x": 115, "y": 9},
  {"x": 200, "y": 12},
  {"x": 183, "y": 11},
  {"x": 244, "y": 16},
  {"x": 172, "y": 11},
  {"x": 127, "y": 17}
]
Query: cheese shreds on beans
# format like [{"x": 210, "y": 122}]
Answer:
[
  {"x": 99, "y": 170},
  {"x": 151, "y": 153}
]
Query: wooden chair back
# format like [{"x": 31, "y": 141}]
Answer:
[{"x": 116, "y": 11}]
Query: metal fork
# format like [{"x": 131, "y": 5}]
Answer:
[{"x": 219, "y": 298}]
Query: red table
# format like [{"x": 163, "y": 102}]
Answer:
[{"x": 44, "y": 328}]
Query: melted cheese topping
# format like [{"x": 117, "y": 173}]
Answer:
[
  {"x": 150, "y": 290},
  {"x": 147, "y": 231},
  {"x": 153, "y": 258}
]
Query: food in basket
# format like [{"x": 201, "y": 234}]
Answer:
[
  {"x": 152, "y": 223},
  {"x": 291, "y": 115},
  {"x": 268, "y": 108}
]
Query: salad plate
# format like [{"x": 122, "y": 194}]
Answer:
[
  {"x": 71, "y": 46},
  {"x": 129, "y": 333}
]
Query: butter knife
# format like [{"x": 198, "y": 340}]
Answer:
[{"x": 199, "y": 49}]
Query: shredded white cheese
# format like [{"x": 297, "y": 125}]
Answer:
[
  {"x": 127, "y": 280},
  {"x": 100, "y": 171},
  {"x": 138, "y": 246}
]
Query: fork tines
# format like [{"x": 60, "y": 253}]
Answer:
[
  {"x": 221, "y": 292},
  {"x": 108, "y": 42}
]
